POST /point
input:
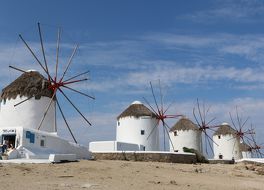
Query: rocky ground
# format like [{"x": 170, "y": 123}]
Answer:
[{"x": 131, "y": 175}]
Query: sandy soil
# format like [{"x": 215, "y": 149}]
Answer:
[{"x": 131, "y": 175}]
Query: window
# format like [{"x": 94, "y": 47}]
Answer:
[
  {"x": 118, "y": 123},
  {"x": 42, "y": 142},
  {"x": 175, "y": 133},
  {"x": 219, "y": 137},
  {"x": 142, "y": 132}
]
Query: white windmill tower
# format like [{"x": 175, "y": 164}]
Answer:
[
  {"x": 135, "y": 124},
  {"x": 228, "y": 143},
  {"x": 185, "y": 134},
  {"x": 18, "y": 110}
]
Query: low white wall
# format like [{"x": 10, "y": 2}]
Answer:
[
  {"x": 28, "y": 143},
  {"x": 113, "y": 146}
]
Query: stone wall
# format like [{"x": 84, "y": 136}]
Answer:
[{"x": 146, "y": 157}]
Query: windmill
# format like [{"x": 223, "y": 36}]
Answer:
[
  {"x": 57, "y": 84},
  {"x": 254, "y": 147},
  {"x": 161, "y": 114},
  {"x": 200, "y": 114},
  {"x": 239, "y": 126}
]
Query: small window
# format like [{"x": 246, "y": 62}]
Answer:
[
  {"x": 142, "y": 132},
  {"x": 175, "y": 133},
  {"x": 42, "y": 142},
  {"x": 219, "y": 137},
  {"x": 118, "y": 123}
]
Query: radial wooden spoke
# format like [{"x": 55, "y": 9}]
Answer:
[
  {"x": 238, "y": 119},
  {"x": 69, "y": 62},
  {"x": 172, "y": 116},
  {"x": 74, "y": 106},
  {"x": 74, "y": 81},
  {"x": 47, "y": 109},
  {"x": 208, "y": 123},
  {"x": 164, "y": 141},
  {"x": 76, "y": 76},
  {"x": 247, "y": 137},
  {"x": 212, "y": 129},
  {"x": 208, "y": 137},
  {"x": 211, "y": 138},
  {"x": 57, "y": 53},
  {"x": 79, "y": 92},
  {"x": 23, "y": 101},
  {"x": 233, "y": 121},
  {"x": 20, "y": 36},
  {"x": 55, "y": 122},
  {"x": 166, "y": 126},
  {"x": 207, "y": 111},
  {"x": 152, "y": 109},
  {"x": 168, "y": 107},
  {"x": 157, "y": 124},
  {"x": 17, "y": 69},
  {"x": 42, "y": 48},
  {"x": 161, "y": 97},
  {"x": 196, "y": 119},
  {"x": 244, "y": 123},
  {"x": 154, "y": 97},
  {"x": 64, "y": 118},
  {"x": 199, "y": 111},
  {"x": 204, "y": 113},
  {"x": 205, "y": 141}
]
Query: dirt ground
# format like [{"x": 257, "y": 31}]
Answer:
[{"x": 128, "y": 175}]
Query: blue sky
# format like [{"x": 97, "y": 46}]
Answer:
[{"x": 211, "y": 50}]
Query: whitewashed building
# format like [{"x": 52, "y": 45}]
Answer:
[
  {"x": 23, "y": 105},
  {"x": 227, "y": 144},
  {"x": 136, "y": 130},
  {"x": 138, "y": 125},
  {"x": 185, "y": 134}
]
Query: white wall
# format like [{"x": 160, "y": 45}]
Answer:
[
  {"x": 186, "y": 138},
  {"x": 28, "y": 114},
  {"x": 52, "y": 144},
  {"x": 129, "y": 130},
  {"x": 246, "y": 154},
  {"x": 228, "y": 146},
  {"x": 105, "y": 146}
]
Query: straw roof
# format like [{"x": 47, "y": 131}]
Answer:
[
  {"x": 225, "y": 129},
  {"x": 29, "y": 84},
  {"x": 184, "y": 124},
  {"x": 244, "y": 147},
  {"x": 137, "y": 110}
]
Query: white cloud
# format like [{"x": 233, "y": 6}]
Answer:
[{"x": 235, "y": 10}]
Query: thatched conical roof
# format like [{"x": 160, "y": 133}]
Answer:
[
  {"x": 225, "y": 129},
  {"x": 136, "y": 109},
  {"x": 184, "y": 124},
  {"x": 244, "y": 147},
  {"x": 29, "y": 84}
]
